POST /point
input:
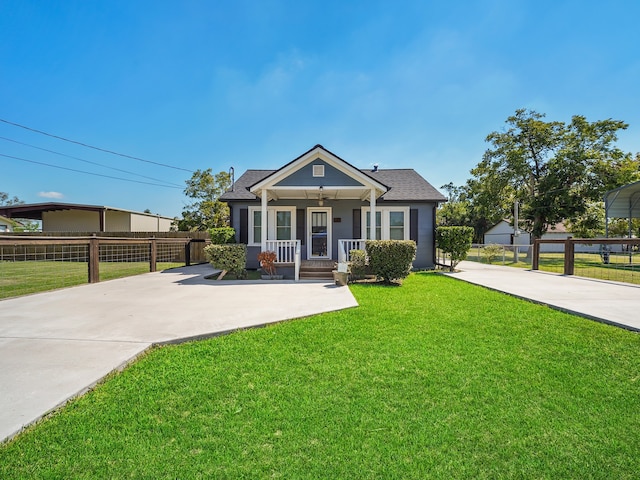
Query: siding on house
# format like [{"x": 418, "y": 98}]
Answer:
[
  {"x": 346, "y": 190},
  {"x": 6, "y": 225}
]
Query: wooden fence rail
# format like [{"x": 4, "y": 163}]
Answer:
[
  {"x": 93, "y": 243},
  {"x": 569, "y": 249}
]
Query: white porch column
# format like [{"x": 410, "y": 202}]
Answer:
[
  {"x": 263, "y": 220},
  {"x": 372, "y": 205}
]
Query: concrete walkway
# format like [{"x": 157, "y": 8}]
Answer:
[
  {"x": 609, "y": 302},
  {"x": 56, "y": 345}
]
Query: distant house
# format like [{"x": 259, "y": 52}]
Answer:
[
  {"x": 6, "y": 224},
  {"x": 326, "y": 204},
  {"x": 502, "y": 233},
  {"x": 69, "y": 217}
]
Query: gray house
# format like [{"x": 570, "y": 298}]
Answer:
[{"x": 319, "y": 207}]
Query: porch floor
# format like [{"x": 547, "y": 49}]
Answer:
[{"x": 318, "y": 264}]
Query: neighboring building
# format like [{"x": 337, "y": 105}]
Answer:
[
  {"x": 68, "y": 217},
  {"x": 6, "y": 224},
  {"x": 325, "y": 203},
  {"x": 502, "y": 233}
]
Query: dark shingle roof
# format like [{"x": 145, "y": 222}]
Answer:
[
  {"x": 404, "y": 185},
  {"x": 242, "y": 184}
]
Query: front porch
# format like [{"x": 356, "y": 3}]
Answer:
[{"x": 288, "y": 254}]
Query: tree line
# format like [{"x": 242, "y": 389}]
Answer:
[{"x": 558, "y": 172}]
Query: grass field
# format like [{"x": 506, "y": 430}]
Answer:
[
  {"x": 586, "y": 264},
  {"x": 22, "y": 278},
  {"x": 434, "y": 379}
]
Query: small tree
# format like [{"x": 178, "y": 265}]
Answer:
[
  {"x": 207, "y": 210},
  {"x": 455, "y": 241},
  {"x": 492, "y": 251},
  {"x": 267, "y": 261}
]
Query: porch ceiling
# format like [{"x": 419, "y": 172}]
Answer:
[{"x": 317, "y": 193}]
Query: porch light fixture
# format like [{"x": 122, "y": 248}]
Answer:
[{"x": 320, "y": 199}]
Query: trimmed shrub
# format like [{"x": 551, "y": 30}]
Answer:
[
  {"x": 228, "y": 258},
  {"x": 391, "y": 260},
  {"x": 491, "y": 251},
  {"x": 222, "y": 235},
  {"x": 358, "y": 263},
  {"x": 455, "y": 241}
]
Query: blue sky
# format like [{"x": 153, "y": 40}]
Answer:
[{"x": 254, "y": 84}]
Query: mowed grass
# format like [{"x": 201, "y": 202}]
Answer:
[
  {"x": 434, "y": 379},
  {"x": 22, "y": 278},
  {"x": 585, "y": 264}
]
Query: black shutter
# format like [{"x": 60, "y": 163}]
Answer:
[
  {"x": 413, "y": 224},
  {"x": 357, "y": 224},
  {"x": 300, "y": 226},
  {"x": 244, "y": 225}
]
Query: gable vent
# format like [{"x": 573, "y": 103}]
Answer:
[{"x": 318, "y": 170}]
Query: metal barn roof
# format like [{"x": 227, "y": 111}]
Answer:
[{"x": 623, "y": 202}]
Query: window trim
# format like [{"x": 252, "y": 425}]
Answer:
[
  {"x": 385, "y": 231},
  {"x": 271, "y": 223}
]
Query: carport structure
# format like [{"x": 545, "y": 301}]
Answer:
[{"x": 622, "y": 202}]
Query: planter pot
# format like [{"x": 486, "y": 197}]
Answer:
[
  {"x": 272, "y": 277},
  {"x": 340, "y": 278}
]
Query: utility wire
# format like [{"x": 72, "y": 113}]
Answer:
[
  {"x": 95, "y": 148},
  {"x": 86, "y": 173},
  {"x": 87, "y": 161}
]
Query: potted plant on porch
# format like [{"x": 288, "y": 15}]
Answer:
[{"x": 267, "y": 261}]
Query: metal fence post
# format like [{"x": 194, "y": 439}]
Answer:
[
  {"x": 94, "y": 259},
  {"x": 187, "y": 253}
]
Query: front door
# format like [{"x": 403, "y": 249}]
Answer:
[{"x": 319, "y": 232}]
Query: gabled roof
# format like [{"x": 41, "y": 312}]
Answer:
[
  {"x": 392, "y": 184},
  {"x": 359, "y": 184}
]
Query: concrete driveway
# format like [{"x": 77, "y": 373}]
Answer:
[
  {"x": 57, "y": 345},
  {"x": 608, "y": 302}
]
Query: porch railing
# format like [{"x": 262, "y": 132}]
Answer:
[
  {"x": 346, "y": 245},
  {"x": 287, "y": 251}
]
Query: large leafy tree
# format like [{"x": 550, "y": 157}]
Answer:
[
  {"x": 455, "y": 212},
  {"x": 555, "y": 170},
  {"x": 206, "y": 211}
]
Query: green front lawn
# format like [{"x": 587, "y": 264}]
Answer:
[
  {"x": 434, "y": 379},
  {"x": 22, "y": 278}
]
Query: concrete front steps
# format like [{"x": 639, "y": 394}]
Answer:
[{"x": 317, "y": 269}]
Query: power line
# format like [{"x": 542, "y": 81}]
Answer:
[
  {"x": 95, "y": 148},
  {"x": 86, "y": 173},
  {"x": 86, "y": 161}
]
